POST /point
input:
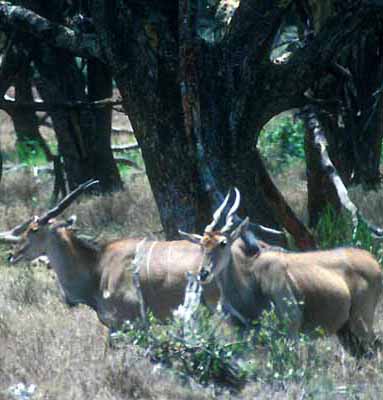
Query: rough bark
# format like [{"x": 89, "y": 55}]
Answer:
[
  {"x": 320, "y": 171},
  {"x": 327, "y": 188},
  {"x": 100, "y": 86},
  {"x": 25, "y": 20},
  {"x": 238, "y": 90},
  {"x": 348, "y": 93}
]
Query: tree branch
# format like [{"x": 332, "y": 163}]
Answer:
[
  {"x": 284, "y": 85},
  {"x": 254, "y": 26},
  {"x": 330, "y": 174},
  {"x": 20, "y": 19},
  {"x": 9, "y": 104}
]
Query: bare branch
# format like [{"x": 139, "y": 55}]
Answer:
[
  {"x": 21, "y": 19},
  {"x": 9, "y": 104}
]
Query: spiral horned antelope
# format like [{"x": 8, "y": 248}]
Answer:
[
  {"x": 337, "y": 290},
  {"x": 101, "y": 276}
]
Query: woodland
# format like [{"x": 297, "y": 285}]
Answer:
[{"x": 169, "y": 105}]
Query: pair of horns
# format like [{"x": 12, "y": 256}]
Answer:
[{"x": 230, "y": 215}]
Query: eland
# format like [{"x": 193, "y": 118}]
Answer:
[
  {"x": 101, "y": 276},
  {"x": 336, "y": 290}
]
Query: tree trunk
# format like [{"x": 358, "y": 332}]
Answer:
[
  {"x": 25, "y": 120},
  {"x": 238, "y": 90},
  {"x": 152, "y": 95},
  {"x": 100, "y": 86},
  {"x": 321, "y": 192},
  {"x": 366, "y": 110},
  {"x": 61, "y": 81}
]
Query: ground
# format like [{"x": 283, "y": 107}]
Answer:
[{"x": 64, "y": 351}]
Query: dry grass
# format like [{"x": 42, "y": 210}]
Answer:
[
  {"x": 62, "y": 350},
  {"x": 292, "y": 184}
]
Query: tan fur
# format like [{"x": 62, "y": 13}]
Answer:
[
  {"x": 338, "y": 289},
  {"x": 102, "y": 277}
]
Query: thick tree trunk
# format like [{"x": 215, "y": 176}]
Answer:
[
  {"x": 100, "y": 86},
  {"x": 239, "y": 89},
  {"x": 366, "y": 109},
  {"x": 322, "y": 194},
  {"x": 174, "y": 123}
]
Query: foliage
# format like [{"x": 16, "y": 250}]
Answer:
[
  {"x": 287, "y": 357},
  {"x": 136, "y": 157},
  {"x": 282, "y": 142},
  {"x": 226, "y": 356},
  {"x": 30, "y": 153},
  {"x": 335, "y": 230}
]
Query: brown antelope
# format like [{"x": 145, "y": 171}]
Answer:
[
  {"x": 337, "y": 290},
  {"x": 101, "y": 276}
]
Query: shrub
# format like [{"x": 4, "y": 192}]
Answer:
[
  {"x": 282, "y": 142},
  {"x": 224, "y": 356}
]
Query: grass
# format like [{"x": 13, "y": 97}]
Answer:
[{"x": 63, "y": 351}]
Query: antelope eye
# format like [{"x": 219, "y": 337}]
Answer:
[{"x": 223, "y": 242}]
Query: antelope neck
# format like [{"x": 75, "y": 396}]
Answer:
[{"x": 71, "y": 259}]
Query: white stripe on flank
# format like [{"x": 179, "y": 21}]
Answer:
[
  {"x": 148, "y": 260},
  {"x": 168, "y": 263}
]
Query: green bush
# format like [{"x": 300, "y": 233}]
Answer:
[
  {"x": 336, "y": 230},
  {"x": 219, "y": 354},
  {"x": 30, "y": 152},
  {"x": 281, "y": 143}
]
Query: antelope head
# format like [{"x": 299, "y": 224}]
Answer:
[
  {"x": 216, "y": 244},
  {"x": 32, "y": 237},
  {"x": 35, "y": 240}
]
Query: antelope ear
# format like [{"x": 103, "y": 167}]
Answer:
[
  {"x": 34, "y": 225},
  {"x": 191, "y": 237},
  {"x": 71, "y": 221},
  {"x": 239, "y": 229}
]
